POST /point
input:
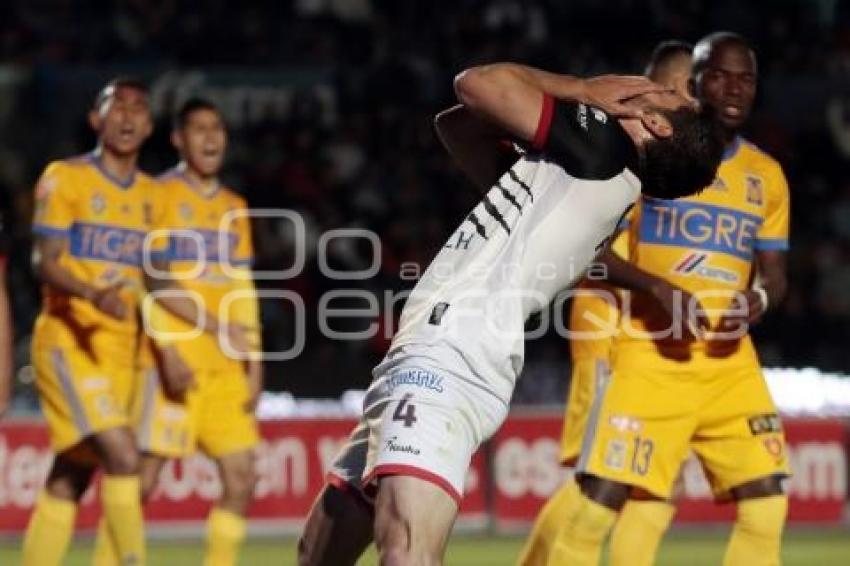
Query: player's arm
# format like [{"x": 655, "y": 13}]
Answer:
[
  {"x": 674, "y": 300},
  {"x": 47, "y": 251},
  {"x": 477, "y": 146},
  {"x": 6, "y": 365},
  {"x": 517, "y": 98}
]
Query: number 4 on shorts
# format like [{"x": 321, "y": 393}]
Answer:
[{"x": 405, "y": 412}]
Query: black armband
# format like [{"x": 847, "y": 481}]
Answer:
[{"x": 584, "y": 140}]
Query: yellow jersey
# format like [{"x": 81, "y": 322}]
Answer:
[
  {"x": 206, "y": 239},
  {"x": 706, "y": 243},
  {"x": 105, "y": 221},
  {"x": 595, "y": 312}
]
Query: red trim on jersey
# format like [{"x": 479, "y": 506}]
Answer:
[
  {"x": 349, "y": 489},
  {"x": 545, "y": 122},
  {"x": 414, "y": 472}
]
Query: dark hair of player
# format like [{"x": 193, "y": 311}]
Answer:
[
  {"x": 118, "y": 82},
  {"x": 686, "y": 162},
  {"x": 705, "y": 46},
  {"x": 190, "y": 106},
  {"x": 665, "y": 52}
]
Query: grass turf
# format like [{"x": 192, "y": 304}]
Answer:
[{"x": 801, "y": 548}]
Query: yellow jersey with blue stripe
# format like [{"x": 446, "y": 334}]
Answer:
[
  {"x": 105, "y": 221},
  {"x": 706, "y": 243},
  {"x": 206, "y": 239}
]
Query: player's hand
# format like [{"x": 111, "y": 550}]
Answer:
[
  {"x": 745, "y": 309},
  {"x": 609, "y": 92},
  {"x": 255, "y": 385},
  {"x": 685, "y": 310},
  {"x": 108, "y": 300},
  {"x": 177, "y": 377},
  {"x": 237, "y": 339}
]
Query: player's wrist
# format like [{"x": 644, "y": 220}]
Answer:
[{"x": 764, "y": 300}]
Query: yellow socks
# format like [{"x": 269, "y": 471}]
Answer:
[
  {"x": 757, "y": 534},
  {"x": 582, "y": 534},
  {"x": 105, "y": 553},
  {"x": 225, "y": 533},
  {"x": 638, "y": 532},
  {"x": 547, "y": 525},
  {"x": 49, "y": 531},
  {"x": 122, "y": 512}
]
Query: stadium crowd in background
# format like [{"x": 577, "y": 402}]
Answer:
[{"x": 373, "y": 161}]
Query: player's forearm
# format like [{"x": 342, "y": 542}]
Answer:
[
  {"x": 626, "y": 275},
  {"x": 51, "y": 273},
  {"x": 772, "y": 275},
  {"x": 475, "y": 145},
  {"x": 177, "y": 301},
  {"x": 512, "y": 95}
]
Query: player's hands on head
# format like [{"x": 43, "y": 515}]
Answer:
[
  {"x": 176, "y": 376},
  {"x": 610, "y": 92},
  {"x": 685, "y": 310},
  {"x": 745, "y": 309},
  {"x": 108, "y": 300}
]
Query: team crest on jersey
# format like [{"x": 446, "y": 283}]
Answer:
[
  {"x": 615, "y": 455},
  {"x": 185, "y": 211},
  {"x": 98, "y": 203},
  {"x": 774, "y": 447},
  {"x": 755, "y": 190},
  {"x": 126, "y": 209},
  {"x": 697, "y": 264}
]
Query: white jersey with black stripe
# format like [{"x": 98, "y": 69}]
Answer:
[{"x": 533, "y": 235}]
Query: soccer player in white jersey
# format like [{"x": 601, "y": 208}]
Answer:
[{"x": 445, "y": 384}]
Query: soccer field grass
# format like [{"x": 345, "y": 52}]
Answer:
[{"x": 801, "y": 548}]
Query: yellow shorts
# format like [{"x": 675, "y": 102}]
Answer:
[
  {"x": 587, "y": 375},
  {"x": 83, "y": 389},
  {"x": 649, "y": 414},
  {"x": 212, "y": 416}
]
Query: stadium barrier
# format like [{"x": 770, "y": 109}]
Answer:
[{"x": 508, "y": 481}]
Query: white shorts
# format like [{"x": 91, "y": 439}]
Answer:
[{"x": 419, "y": 420}]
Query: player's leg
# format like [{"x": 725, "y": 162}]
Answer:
[
  {"x": 229, "y": 434},
  {"x": 338, "y": 529},
  {"x": 741, "y": 444},
  {"x": 637, "y": 437},
  {"x": 586, "y": 371},
  {"x": 121, "y": 492},
  {"x": 340, "y": 524},
  {"x": 424, "y": 425},
  {"x": 51, "y": 525},
  {"x": 757, "y": 535},
  {"x": 547, "y": 524},
  {"x": 105, "y": 548},
  {"x": 406, "y": 531},
  {"x": 639, "y": 529}
]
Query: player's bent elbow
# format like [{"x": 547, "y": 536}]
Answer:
[{"x": 474, "y": 85}]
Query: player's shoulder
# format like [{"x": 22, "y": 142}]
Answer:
[
  {"x": 68, "y": 166},
  {"x": 233, "y": 198},
  {"x": 758, "y": 159},
  {"x": 169, "y": 178}
]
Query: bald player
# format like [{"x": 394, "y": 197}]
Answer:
[{"x": 642, "y": 522}]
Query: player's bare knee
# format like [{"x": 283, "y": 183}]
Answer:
[
  {"x": 609, "y": 493},
  {"x": 239, "y": 479},
  {"x": 121, "y": 460}
]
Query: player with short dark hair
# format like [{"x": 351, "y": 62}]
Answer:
[
  {"x": 92, "y": 214},
  {"x": 445, "y": 384},
  {"x": 686, "y": 375},
  {"x": 194, "y": 390}
]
